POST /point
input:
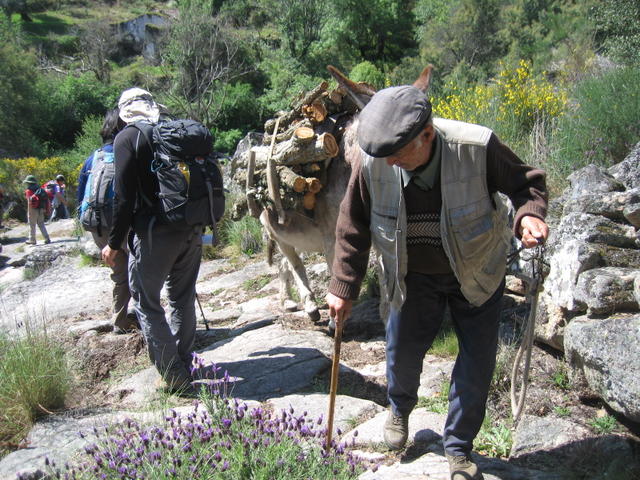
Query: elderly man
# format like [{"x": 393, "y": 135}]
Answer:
[
  {"x": 425, "y": 195},
  {"x": 158, "y": 252}
]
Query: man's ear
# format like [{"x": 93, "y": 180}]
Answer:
[{"x": 429, "y": 132}]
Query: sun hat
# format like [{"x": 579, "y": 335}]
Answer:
[
  {"x": 392, "y": 118},
  {"x": 60, "y": 177},
  {"x": 30, "y": 179},
  {"x": 138, "y": 104}
]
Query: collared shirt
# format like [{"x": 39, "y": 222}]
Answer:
[{"x": 425, "y": 176}]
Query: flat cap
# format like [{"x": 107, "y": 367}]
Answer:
[{"x": 392, "y": 118}]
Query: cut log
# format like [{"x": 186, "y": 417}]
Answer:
[
  {"x": 296, "y": 111},
  {"x": 309, "y": 200},
  {"x": 287, "y": 134},
  {"x": 316, "y": 112},
  {"x": 291, "y": 179},
  {"x": 303, "y": 134},
  {"x": 310, "y": 169},
  {"x": 296, "y": 151},
  {"x": 313, "y": 184}
]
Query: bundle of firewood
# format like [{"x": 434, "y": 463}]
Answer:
[{"x": 288, "y": 169}]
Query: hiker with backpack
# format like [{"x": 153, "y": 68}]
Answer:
[
  {"x": 56, "y": 191},
  {"x": 38, "y": 207},
  {"x": 165, "y": 197},
  {"x": 95, "y": 200}
]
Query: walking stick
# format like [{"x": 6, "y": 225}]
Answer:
[{"x": 335, "y": 367}]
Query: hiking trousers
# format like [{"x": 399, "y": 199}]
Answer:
[
  {"x": 172, "y": 256},
  {"x": 35, "y": 217},
  {"x": 411, "y": 332},
  {"x": 120, "y": 278}
]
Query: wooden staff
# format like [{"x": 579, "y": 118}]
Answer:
[{"x": 335, "y": 367}]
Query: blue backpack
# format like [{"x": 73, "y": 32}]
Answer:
[{"x": 96, "y": 210}]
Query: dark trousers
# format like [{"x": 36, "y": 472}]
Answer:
[{"x": 410, "y": 333}]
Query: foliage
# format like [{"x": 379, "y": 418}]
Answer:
[
  {"x": 603, "y": 425},
  {"x": 367, "y": 72},
  {"x": 222, "y": 438},
  {"x": 202, "y": 56},
  {"x": 561, "y": 411},
  {"x": 602, "y": 124},
  {"x": 560, "y": 378},
  {"x": 34, "y": 378},
  {"x": 245, "y": 235},
  {"x": 438, "y": 403},
  {"x": 301, "y": 23},
  {"x": 618, "y": 29},
  {"x": 24, "y": 7},
  {"x": 494, "y": 439},
  {"x": 18, "y": 96},
  {"x": 13, "y": 171}
]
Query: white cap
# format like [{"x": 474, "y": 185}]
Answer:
[{"x": 137, "y": 104}]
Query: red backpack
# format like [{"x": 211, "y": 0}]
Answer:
[
  {"x": 38, "y": 199},
  {"x": 50, "y": 187}
]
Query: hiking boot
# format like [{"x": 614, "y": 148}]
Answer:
[
  {"x": 463, "y": 468},
  {"x": 30, "y": 242},
  {"x": 396, "y": 430},
  {"x": 47, "y": 241}
]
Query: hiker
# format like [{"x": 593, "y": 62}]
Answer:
[
  {"x": 159, "y": 252},
  {"x": 38, "y": 207},
  {"x": 56, "y": 190},
  {"x": 89, "y": 181},
  {"x": 425, "y": 195}
]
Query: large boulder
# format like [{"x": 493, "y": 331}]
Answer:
[
  {"x": 628, "y": 171},
  {"x": 605, "y": 353}
]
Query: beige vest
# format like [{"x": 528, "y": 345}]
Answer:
[{"x": 473, "y": 224}]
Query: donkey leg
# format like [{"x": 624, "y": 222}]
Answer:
[{"x": 302, "y": 282}]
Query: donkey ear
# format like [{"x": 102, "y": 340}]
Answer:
[
  {"x": 424, "y": 79},
  {"x": 360, "y": 93}
]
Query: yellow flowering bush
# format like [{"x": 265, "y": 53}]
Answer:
[
  {"x": 516, "y": 96},
  {"x": 14, "y": 170},
  {"x": 527, "y": 97}
]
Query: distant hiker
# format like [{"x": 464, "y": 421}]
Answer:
[
  {"x": 56, "y": 190},
  {"x": 95, "y": 201},
  {"x": 161, "y": 250},
  {"x": 38, "y": 207}
]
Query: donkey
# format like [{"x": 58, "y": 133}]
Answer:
[{"x": 301, "y": 233}]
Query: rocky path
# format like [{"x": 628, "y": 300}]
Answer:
[{"x": 280, "y": 359}]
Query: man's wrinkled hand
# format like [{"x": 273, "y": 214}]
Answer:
[
  {"x": 339, "y": 309},
  {"x": 533, "y": 231},
  {"x": 109, "y": 256}
]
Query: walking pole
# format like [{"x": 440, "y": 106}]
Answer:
[
  {"x": 206, "y": 323},
  {"x": 335, "y": 367}
]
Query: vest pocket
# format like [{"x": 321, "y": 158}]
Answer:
[{"x": 472, "y": 225}]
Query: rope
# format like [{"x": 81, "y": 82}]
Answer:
[{"x": 526, "y": 346}]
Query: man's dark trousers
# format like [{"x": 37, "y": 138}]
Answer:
[{"x": 410, "y": 333}]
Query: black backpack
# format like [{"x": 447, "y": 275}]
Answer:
[{"x": 191, "y": 189}]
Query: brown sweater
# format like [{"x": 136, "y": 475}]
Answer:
[{"x": 506, "y": 173}]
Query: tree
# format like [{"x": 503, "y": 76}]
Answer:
[
  {"x": 24, "y": 7},
  {"x": 618, "y": 29},
  {"x": 301, "y": 23},
  {"x": 98, "y": 42},
  {"x": 381, "y": 33},
  {"x": 203, "y": 55}
]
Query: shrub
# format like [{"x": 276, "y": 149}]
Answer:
[
  {"x": 13, "y": 172},
  {"x": 34, "y": 378},
  {"x": 602, "y": 124},
  {"x": 494, "y": 439},
  {"x": 369, "y": 73},
  {"x": 244, "y": 236},
  {"x": 225, "y": 439}
]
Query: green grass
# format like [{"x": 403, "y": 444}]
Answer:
[
  {"x": 243, "y": 236},
  {"x": 255, "y": 284},
  {"x": 34, "y": 379},
  {"x": 494, "y": 439},
  {"x": 446, "y": 343},
  {"x": 603, "y": 425},
  {"x": 562, "y": 411},
  {"x": 438, "y": 403}
]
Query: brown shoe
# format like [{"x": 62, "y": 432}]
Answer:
[
  {"x": 462, "y": 467},
  {"x": 396, "y": 430}
]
